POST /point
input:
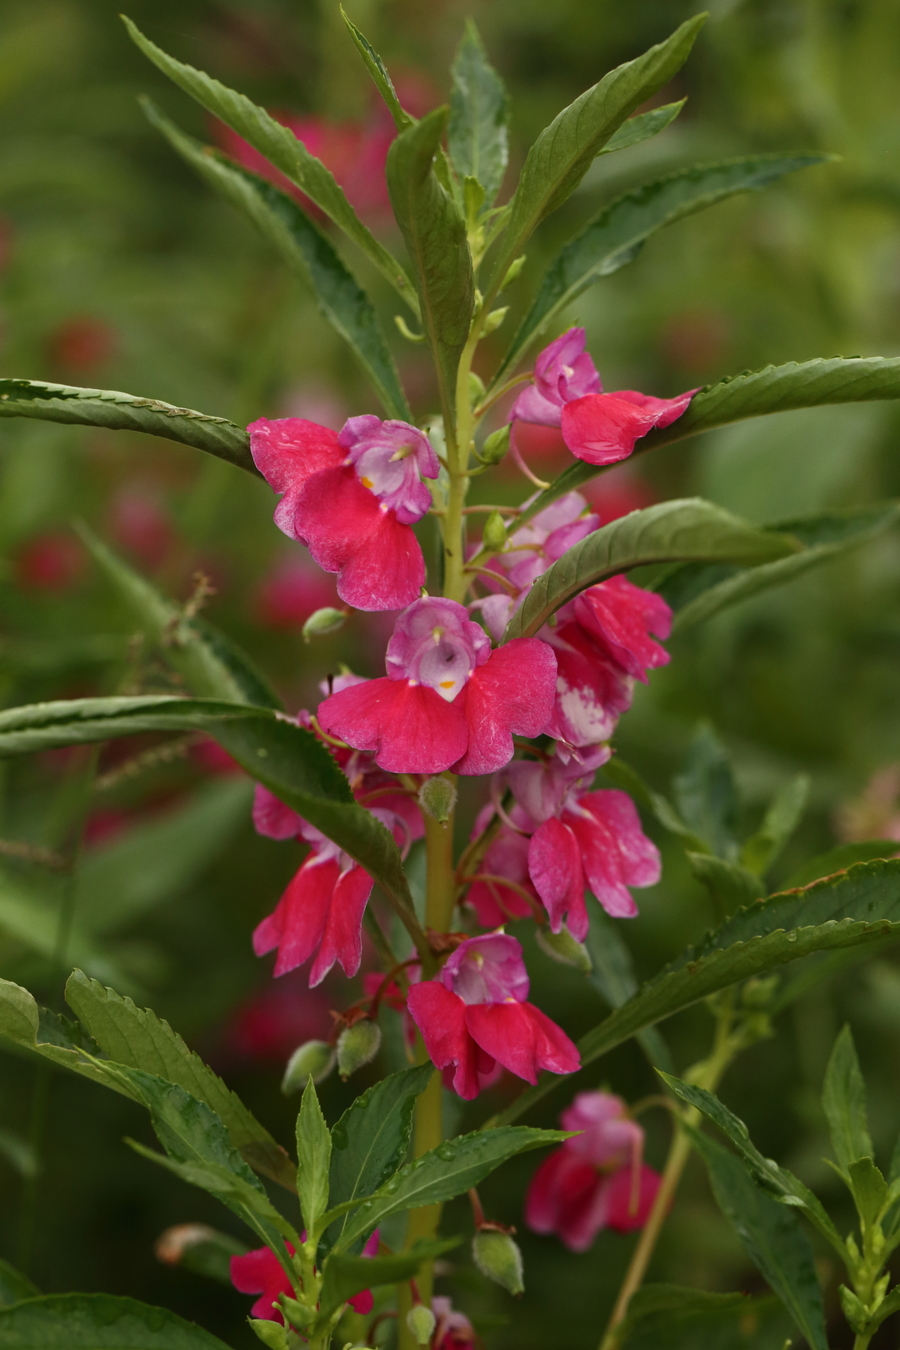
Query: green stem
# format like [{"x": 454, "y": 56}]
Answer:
[
  {"x": 862, "y": 1340},
  {"x": 440, "y": 885}
]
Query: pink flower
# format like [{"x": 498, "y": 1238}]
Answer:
[
  {"x": 139, "y": 521},
  {"x": 453, "y": 1330},
  {"x": 290, "y": 592},
  {"x": 49, "y": 562},
  {"x": 351, "y": 499},
  {"x": 475, "y": 1014},
  {"x": 620, "y": 617},
  {"x": 596, "y": 1179},
  {"x": 505, "y": 856},
  {"x": 447, "y": 701},
  {"x": 260, "y": 1272},
  {"x": 563, "y": 371}
]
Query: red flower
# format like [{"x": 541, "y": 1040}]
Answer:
[
  {"x": 475, "y": 1015},
  {"x": 49, "y": 562},
  {"x": 453, "y": 1330},
  {"x": 260, "y": 1272}
]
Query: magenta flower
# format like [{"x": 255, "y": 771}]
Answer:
[
  {"x": 475, "y": 1014},
  {"x": 351, "y": 499},
  {"x": 620, "y": 617},
  {"x": 505, "y": 857},
  {"x": 447, "y": 700},
  {"x": 563, "y": 371},
  {"x": 592, "y": 691},
  {"x": 453, "y": 1330},
  {"x": 594, "y": 1180},
  {"x": 260, "y": 1272}
]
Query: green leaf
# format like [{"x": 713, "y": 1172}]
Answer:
[
  {"x": 771, "y": 1236},
  {"x": 844, "y": 1104},
  {"x": 810, "y": 384},
  {"x": 680, "y": 529},
  {"x": 210, "y": 1254},
  {"x": 349, "y": 1275},
  {"x": 701, "y": 592},
  {"x": 855, "y": 907},
  {"x": 667, "y": 1317},
  {"x": 477, "y": 134},
  {"x": 371, "y": 1140},
  {"x": 870, "y": 1191},
  {"x": 617, "y": 235},
  {"x": 781, "y": 819},
  {"x": 275, "y": 751},
  {"x": 565, "y": 150},
  {"x": 612, "y": 975},
  {"x": 139, "y": 1039},
  {"x": 14, "y": 1286},
  {"x": 20, "y": 1155},
  {"x": 281, "y": 148},
  {"x": 98, "y": 1322},
  {"x": 30, "y": 914},
  {"x": 705, "y": 793},
  {"x": 435, "y": 235},
  {"x": 729, "y": 883},
  {"x": 840, "y": 858},
  {"x": 313, "y": 1158},
  {"x": 126, "y": 412},
  {"x": 776, "y": 1181},
  {"x": 643, "y": 127},
  {"x": 210, "y": 666},
  {"x": 378, "y": 70},
  {"x": 25, "y": 1025},
  {"x": 624, "y": 776},
  {"x": 442, "y": 1174},
  {"x": 307, "y": 252}
]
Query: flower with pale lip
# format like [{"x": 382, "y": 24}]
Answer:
[
  {"x": 447, "y": 700},
  {"x": 351, "y": 498},
  {"x": 563, "y": 371},
  {"x": 475, "y": 1014}
]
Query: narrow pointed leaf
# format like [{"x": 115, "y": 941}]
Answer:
[
  {"x": 274, "y": 750},
  {"x": 844, "y": 1104},
  {"x": 307, "y": 252},
  {"x": 705, "y": 792},
  {"x": 378, "y": 70},
  {"x": 435, "y": 236},
  {"x": 126, "y": 412},
  {"x": 313, "y": 1158},
  {"x": 281, "y": 148},
  {"x": 689, "y": 529},
  {"x": 477, "y": 134},
  {"x": 139, "y": 1039},
  {"x": 442, "y": 1174},
  {"x": 616, "y": 236},
  {"x": 349, "y": 1275},
  {"x": 565, "y": 150},
  {"x": 853, "y": 908},
  {"x": 642, "y": 127},
  {"x": 98, "y": 1322},
  {"x": 783, "y": 815},
  {"x": 772, "y": 1238},
  {"x": 729, "y": 883}
]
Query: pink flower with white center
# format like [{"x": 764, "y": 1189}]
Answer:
[
  {"x": 475, "y": 1014},
  {"x": 447, "y": 700},
  {"x": 351, "y": 499},
  {"x": 563, "y": 371},
  {"x": 596, "y": 1179},
  {"x": 453, "y": 1330},
  {"x": 260, "y": 1272}
]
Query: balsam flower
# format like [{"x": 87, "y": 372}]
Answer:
[
  {"x": 475, "y": 1015},
  {"x": 351, "y": 498},
  {"x": 453, "y": 1330},
  {"x": 596, "y": 1179},
  {"x": 447, "y": 700},
  {"x": 260, "y": 1272},
  {"x": 563, "y": 371}
]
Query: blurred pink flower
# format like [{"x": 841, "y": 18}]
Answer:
[
  {"x": 82, "y": 344},
  {"x": 49, "y": 562},
  {"x": 140, "y": 522},
  {"x": 291, "y": 591},
  {"x": 453, "y": 1330}
]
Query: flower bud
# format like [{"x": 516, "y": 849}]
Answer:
[
  {"x": 323, "y": 622},
  {"x": 496, "y": 445},
  {"x": 421, "y": 1322},
  {"x": 498, "y": 1257},
  {"x": 494, "y": 320},
  {"x": 566, "y": 949},
  {"x": 513, "y": 271},
  {"x": 437, "y": 798},
  {"x": 271, "y": 1334},
  {"x": 312, "y": 1058},
  {"x": 476, "y": 388},
  {"x": 494, "y": 535},
  {"x": 357, "y": 1045}
]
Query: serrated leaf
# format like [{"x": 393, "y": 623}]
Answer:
[
  {"x": 127, "y": 412},
  {"x": 435, "y": 236},
  {"x": 810, "y": 384},
  {"x": 281, "y": 148},
  {"x": 840, "y": 858},
  {"x": 283, "y": 756},
  {"x": 616, "y": 236},
  {"x": 378, "y": 70},
  {"x": 139, "y": 1039},
  {"x": 345, "y": 1276},
  {"x": 705, "y": 793},
  {"x": 25, "y": 1025},
  {"x": 776, "y": 1180},
  {"x": 612, "y": 975},
  {"x": 443, "y": 1173},
  {"x": 680, "y": 529},
  {"x": 783, "y": 815},
  {"x": 565, "y": 150},
  {"x": 477, "y": 135},
  {"x": 210, "y": 665},
  {"x": 313, "y": 1158},
  {"x": 14, "y": 1286},
  {"x": 844, "y": 1104},
  {"x": 859, "y": 906},
  {"x": 371, "y": 1140},
  {"x": 667, "y": 1317},
  {"x": 98, "y": 1322},
  {"x": 307, "y": 252},
  {"x": 772, "y": 1238}
]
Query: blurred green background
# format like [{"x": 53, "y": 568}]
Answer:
[{"x": 119, "y": 270}]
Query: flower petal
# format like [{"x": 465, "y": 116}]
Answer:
[
  {"x": 638, "y": 856},
  {"x": 521, "y": 1038},
  {"x": 624, "y": 1215},
  {"x": 272, "y": 818},
  {"x": 387, "y": 571},
  {"x": 621, "y": 616},
  {"x": 511, "y": 693},
  {"x": 441, "y": 1017},
  {"x": 342, "y": 939},
  {"x": 287, "y": 451},
  {"x": 298, "y": 922},
  {"x": 592, "y": 691},
  {"x": 410, "y": 728},
  {"x": 602, "y": 428},
  {"x": 554, "y": 864}
]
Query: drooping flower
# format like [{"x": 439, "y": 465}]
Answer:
[
  {"x": 475, "y": 1014},
  {"x": 596, "y": 1179},
  {"x": 260, "y": 1272},
  {"x": 453, "y": 1330},
  {"x": 351, "y": 498},
  {"x": 447, "y": 700},
  {"x": 620, "y": 617},
  {"x": 563, "y": 371}
]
